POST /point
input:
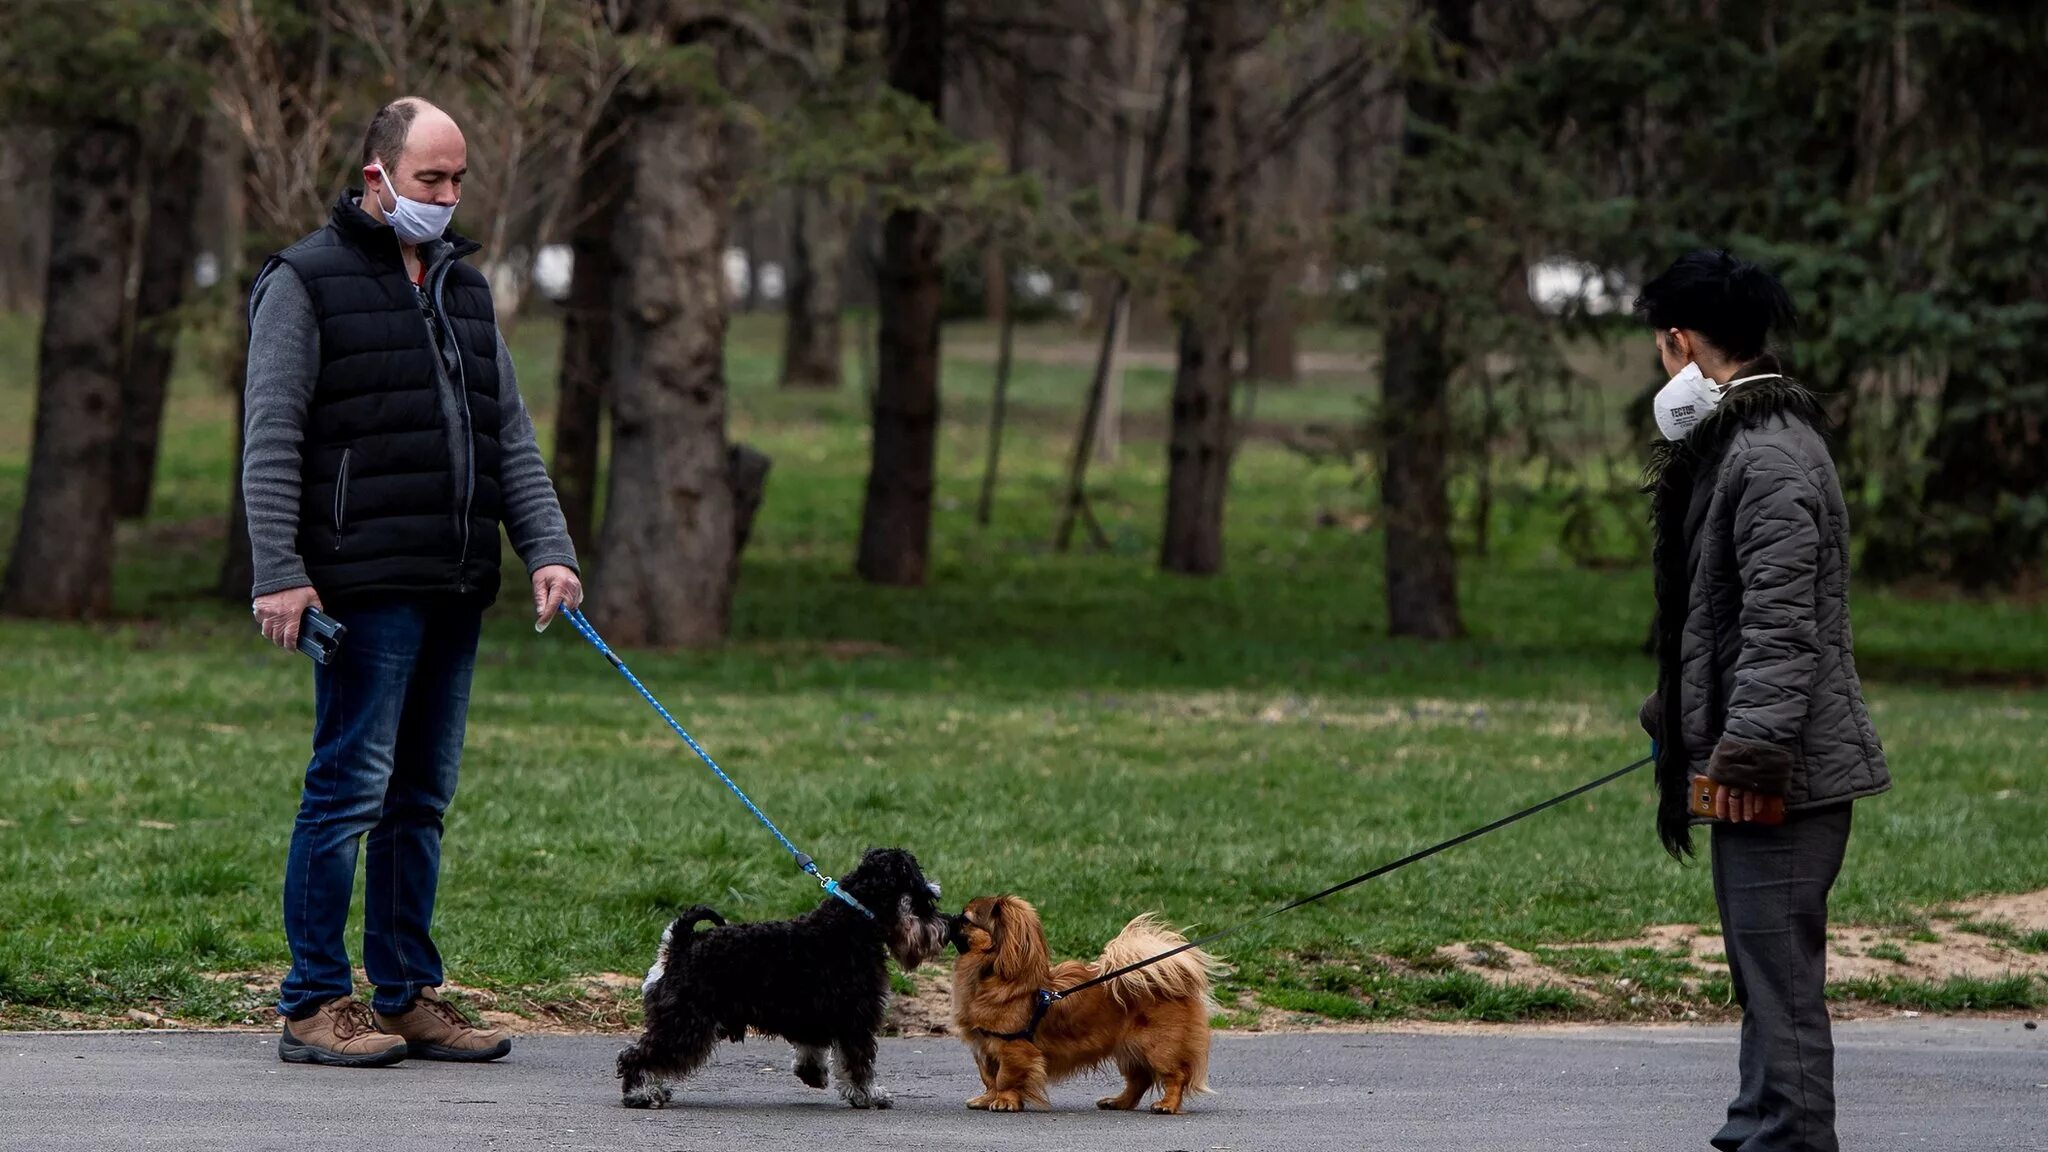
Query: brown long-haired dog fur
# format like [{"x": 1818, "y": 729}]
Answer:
[{"x": 1154, "y": 1023}]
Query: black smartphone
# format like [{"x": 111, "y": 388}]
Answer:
[{"x": 320, "y": 636}]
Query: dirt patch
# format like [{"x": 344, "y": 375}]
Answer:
[
  {"x": 926, "y": 1012},
  {"x": 1666, "y": 971}
]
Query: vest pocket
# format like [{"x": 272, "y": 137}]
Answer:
[{"x": 341, "y": 498}]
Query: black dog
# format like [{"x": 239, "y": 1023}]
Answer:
[{"x": 820, "y": 981}]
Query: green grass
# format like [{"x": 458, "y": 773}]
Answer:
[
  {"x": 1079, "y": 729},
  {"x": 2034, "y": 941},
  {"x": 2016, "y": 993}
]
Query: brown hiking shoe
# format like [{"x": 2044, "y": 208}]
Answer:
[
  {"x": 434, "y": 1029},
  {"x": 342, "y": 1033}
]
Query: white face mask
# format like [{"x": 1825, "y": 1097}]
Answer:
[
  {"x": 415, "y": 221},
  {"x": 1688, "y": 397}
]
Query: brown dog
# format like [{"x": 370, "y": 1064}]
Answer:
[{"x": 1154, "y": 1023}]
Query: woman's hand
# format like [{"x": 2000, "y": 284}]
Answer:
[{"x": 1736, "y": 806}]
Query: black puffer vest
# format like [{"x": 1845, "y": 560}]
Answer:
[{"x": 400, "y": 477}]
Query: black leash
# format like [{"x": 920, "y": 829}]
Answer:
[{"x": 1045, "y": 998}]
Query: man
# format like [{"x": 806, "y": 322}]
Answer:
[{"x": 385, "y": 443}]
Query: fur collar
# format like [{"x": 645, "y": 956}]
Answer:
[{"x": 1745, "y": 407}]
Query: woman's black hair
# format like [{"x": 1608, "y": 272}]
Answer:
[{"x": 1733, "y": 303}]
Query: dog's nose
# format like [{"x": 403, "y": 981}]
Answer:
[{"x": 956, "y": 932}]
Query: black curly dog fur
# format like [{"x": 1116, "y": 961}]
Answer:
[{"x": 820, "y": 981}]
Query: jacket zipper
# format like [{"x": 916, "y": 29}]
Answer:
[
  {"x": 341, "y": 498},
  {"x": 440, "y": 278}
]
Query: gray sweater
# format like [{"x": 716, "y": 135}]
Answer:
[{"x": 284, "y": 363}]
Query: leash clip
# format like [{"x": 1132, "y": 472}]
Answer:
[{"x": 832, "y": 887}]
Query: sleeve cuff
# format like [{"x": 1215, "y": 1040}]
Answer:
[
  {"x": 1764, "y": 768},
  {"x": 1651, "y": 716},
  {"x": 565, "y": 559},
  {"x": 279, "y": 584}
]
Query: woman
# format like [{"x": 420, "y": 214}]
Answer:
[{"x": 1757, "y": 687}]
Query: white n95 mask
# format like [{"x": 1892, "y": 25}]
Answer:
[
  {"x": 1684, "y": 401},
  {"x": 1688, "y": 397}
]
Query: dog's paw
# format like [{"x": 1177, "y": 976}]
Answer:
[
  {"x": 648, "y": 1096},
  {"x": 873, "y": 1096},
  {"x": 809, "y": 1066},
  {"x": 1005, "y": 1102},
  {"x": 979, "y": 1103},
  {"x": 1164, "y": 1109},
  {"x": 1114, "y": 1104}
]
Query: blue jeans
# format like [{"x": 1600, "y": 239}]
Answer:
[{"x": 389, "y": 715}]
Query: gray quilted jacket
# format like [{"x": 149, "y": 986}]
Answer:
[{"x": 1753, "y": 532}]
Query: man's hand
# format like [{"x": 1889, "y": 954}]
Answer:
[
  {"x": 554, "y": 587},
  {"x": 279, "y": 613}
]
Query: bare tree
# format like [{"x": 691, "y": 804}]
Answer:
[
  {"x": 1422, "y": 590},
  {"x": 62, "y": 563},
  {"x": 586, "y": 341},
  {"x": 1198, "y": 453},
  {"x": 895, "y": 537},
  {"x": 1006, "y": 318},
  {"x": 169, "y": 243},
  {"x": 813, "y": 299},
  {"x": 1137, "y": 100},
  {"x": 282, "y": 95},
  {"x": 668, "y": 529},
  {"x": 586, "y": 366}
]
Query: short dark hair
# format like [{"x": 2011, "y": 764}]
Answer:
[
  {"x": 385, "y": 140},
  {"x": 1734, "y": 304}
]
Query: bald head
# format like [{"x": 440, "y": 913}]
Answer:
[
  {"x": 393, "y": 125},
  {"x": 414, "y": 150}
]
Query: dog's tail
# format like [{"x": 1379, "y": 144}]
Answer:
[
  {"x": 1182, "y": 977},
  {"x": 680, "y": 927}
]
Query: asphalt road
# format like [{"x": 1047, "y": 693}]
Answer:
[{"x": 1970, "y": 1086}]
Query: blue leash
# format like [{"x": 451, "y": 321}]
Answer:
[{"x": 803, "y": 859}]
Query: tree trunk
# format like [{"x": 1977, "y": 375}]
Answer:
[
  {"x": 1006, "y": 319},
  {"x": 170, "y": 241},
  {"x": 895, "y": 531},
  {"x": 587, "y": 344},
  {"x": 667, "y": 541},
  {"x": 62, "y": 565},
  {"x": 746, "y": 474},
  {"x": 1198, "y": 452},
  {"x": 1133, "y": 159},
  {"x": 817, "y": 262},
  {"x": 1422, "y": 590},
  {"x": 750, "y": 254}
]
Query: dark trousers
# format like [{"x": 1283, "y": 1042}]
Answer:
[
  {"x": 389, "y": 716},
  {"x": 1772, "y": 886}
]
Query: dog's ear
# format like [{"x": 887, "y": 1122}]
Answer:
[{"x": 1021, "y": 953}]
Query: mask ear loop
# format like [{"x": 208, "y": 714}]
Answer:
[{"x": 384, "y": 178}]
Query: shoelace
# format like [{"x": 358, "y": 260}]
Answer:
[
  {"x": 446, "y": 1011},
  {"x": 353, "y": 1019}
]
